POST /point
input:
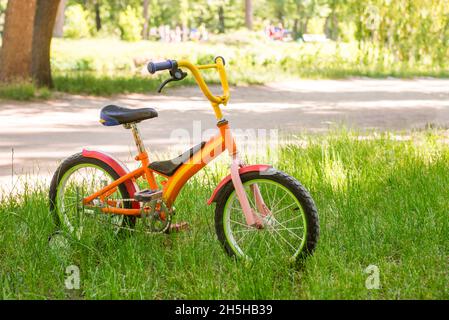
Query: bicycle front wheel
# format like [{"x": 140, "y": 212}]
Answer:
[{"x": 289, "y": 232}]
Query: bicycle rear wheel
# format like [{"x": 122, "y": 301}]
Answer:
[{"x": 76, "y": 178}]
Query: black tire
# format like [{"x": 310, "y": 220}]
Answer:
[
  {"x": 77, "y": 159},
  {"x": 302, "y": 195}
]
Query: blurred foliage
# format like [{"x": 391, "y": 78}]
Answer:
[
  {"x": 414, "y": 31},
  {"x": 3, "y": 4},
  {"x": 130, "y": 24},
  {"x": 368, "y": 37},
  {"x": 84, "y": 66},
  {"x": 389, "y": 32},
  {"x": 76, "y": 22}
]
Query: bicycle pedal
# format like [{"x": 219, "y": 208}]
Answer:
[{"x": 148, "y": 195}]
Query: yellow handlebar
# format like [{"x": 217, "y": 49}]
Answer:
[{"x": 219, "y": 65}]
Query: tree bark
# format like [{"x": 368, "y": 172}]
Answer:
[
  {"x": 331, "y": 27},
  {"x": 44, "y": 22},
  {"x": 146, "y": 17},
  {"x": 58, "y": 31},
  {"x": 98, "y": 22},
  {"x": 15, "y": 55},
  {"x": 249, "y": 14},
  {"x": 304, "y": 26},
  {"x": 25, "y": 54},
  {"x": 296, "y": 33},
  {"x": 331, "y": 24},
  {"x": 184, "y": 17},
  {"x": 221, "y": 19}
]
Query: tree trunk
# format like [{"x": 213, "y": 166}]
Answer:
[
  {"x": 15, "y": 55},
  {"x": 146, "y": 17},
  {"x": 328, "y": 27},
  {"x": 296, "y": 33},
  {"x": 25, "y": 54},
  {"x": 304, "y": 26},
  {"x": 221, "y": 20},
  {"x": 184, "y": 17},
  {"x": 331, "y": 25},
  {"x": 98, "y": 23},
  {"x": 44, "y": 22},
  {"x": 249, "y": 14},
  {"x": 58, "y": 31},
  {"x": 301, "y": 21}
]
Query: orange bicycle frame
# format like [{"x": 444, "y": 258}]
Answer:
[{"x": 172, "y": 185}]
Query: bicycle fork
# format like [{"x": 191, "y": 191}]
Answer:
[{"x": 251, "y": 217}]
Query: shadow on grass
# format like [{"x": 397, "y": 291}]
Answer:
[
  {"x": 89, "y": 83},
  {"x": 382, "y": 201}
]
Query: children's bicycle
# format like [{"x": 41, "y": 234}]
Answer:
[{"x": 260, "y": 212}]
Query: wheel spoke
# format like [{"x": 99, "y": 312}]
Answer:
[
  {"x": 242, "y": 224},
  {"x": 280, "y": 201},
  {"x": 243, "y": 237},
  {"x": 246, "y": 230},
  {"x": 270, "y": 200},
  {"x": 250, "y": 200},
  {"x": 276, "y": 212},
  {"x": 274, "y": 197},
  {"x": 285, "y": 240},
  {"x": 275, "y": 241},
  {"x": 253, "y": 239},
  {"x": 294, "y": 228},
  {"x": 289, "y": 220},
  {"x": 289, "y": 230},
  {"x": 80, "y": 180},
  {"x": 284, "y": 227}
]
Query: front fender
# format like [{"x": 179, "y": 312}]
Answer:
[
  {"x": 118, "y": 167},
  {"x": 246, "y": 169}
]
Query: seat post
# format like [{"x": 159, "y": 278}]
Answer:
[{"x": 137, "y": 139}]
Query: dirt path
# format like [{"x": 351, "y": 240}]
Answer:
[{"x": 44, "y": 132}]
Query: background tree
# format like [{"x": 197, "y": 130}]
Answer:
[
  {"x": 60, "y": 19},
  {"x": 221, "y": 18},
  {"x": 146, "y": 17},
  {"x": 3, "y": 4},
  {"x": 98, "y": 22},
  {"x": 249, "y": 14},
  {"x": 184, "y": 17},
  {"x": 25, "y": 53},
  {"x": 331, "y": 25}
]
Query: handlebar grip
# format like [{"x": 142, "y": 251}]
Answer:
[{"x": 153, "y": 67}]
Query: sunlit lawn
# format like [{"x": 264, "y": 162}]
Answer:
[
  {"x": 382, "y": 200},
  {"x": 110, "y": 66}
]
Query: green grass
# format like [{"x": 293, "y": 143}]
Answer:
[
  {"x": 23, "y": 91},
  {"x": 382, "y": 200},
  {"x": 103, "y": 85},
  {"x": 106, "y": 67}
]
